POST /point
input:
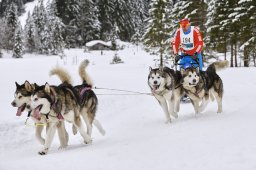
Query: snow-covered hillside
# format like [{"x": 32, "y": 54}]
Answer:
[{"x": 136, "y": 135}]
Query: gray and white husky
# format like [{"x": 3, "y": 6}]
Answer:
[
  {"x": 22, "y": 100},
  {"x": 165, "y": 86},
  {"x": 88, "y": 100},
  {"x": 65, "y": 101},
  {"x": 202, "y": 85}
]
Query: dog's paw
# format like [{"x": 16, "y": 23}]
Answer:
[
  {"x": 168, "y": 121},
  {"x": 62, "y": 147},
  {"x": 88, "y": 141},
  {"x": 175, "y": 114},
  {"x": 43, "y": 152}
]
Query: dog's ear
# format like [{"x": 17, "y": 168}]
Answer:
[
  {"x": 17, "y": 85},
  {"x": 35, "y": 86},
  {"x": 47, "y": 88},
  {"x": 28, "y": 86}
]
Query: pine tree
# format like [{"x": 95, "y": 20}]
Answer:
[
  {"x": 56, "y": 29},
  {"x": 123, "y": 19},
  {"x": 4, "y": 5},
  {"x": 139, "y": 12},
  {"x": 194, "y": 10},
  {"x": 18, "y": 44},
  {"x": 30, "y": 44},
  {"x": 217, "y": 25},
  {"x": 69, "y": 13},
  {"x": 157, "y": 33},
  {"x": 247, "y": 23},
  {"x": 88, "y": 22},
  {"x": 106, "y": 9},
  {"x": 11, "y": 20},
  {"x": 41, "y": 29}
]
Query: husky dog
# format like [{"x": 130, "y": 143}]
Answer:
[
  {"x": 22, "y": 100},
  {"x": 87, "y": 99},
  {"x": 200, "y": 85},
  {"x": 61, "y": 100},
  {"x": 165, "y": 86}
]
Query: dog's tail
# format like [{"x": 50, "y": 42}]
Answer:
[
  {"x": 83, "y": 74},
  {"x": 218, "y": 65},
  {"x": 62, "y": 74}
]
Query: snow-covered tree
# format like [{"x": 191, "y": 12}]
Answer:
[
  {"x": 106, "y": 9},
  {"x": 88, "y": 22},
  {"x": 246, "y": 16},
  {"x": 11, "y": 20},
  {"x": 157, "y": 32},
  {"x": 217, "y": 25},
  {"x": 194, "y": 10},
  {"x": 18, "y": 44},
  {"x": 56, "y": 29},
  {"x": 29, "y": 32}
]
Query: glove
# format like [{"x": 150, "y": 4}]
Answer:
[
  {"x": 177, "y": 58},
  {"x": 182, "y": 50},
  {"x": 194, "y": 56}
]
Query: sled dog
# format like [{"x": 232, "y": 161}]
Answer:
[
  {"x": 62, "y": 101},
  {"x": 88, "y": 101},
  {"x": 200, "y": 85},
  {"x": 22, "y": 100},
  {"x": 165, "y": 86}
]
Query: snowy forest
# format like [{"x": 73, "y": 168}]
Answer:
[{"x": 228, "y": 26}]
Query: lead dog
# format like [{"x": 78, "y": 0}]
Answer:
[
  {"x": 165, "y": 86},
  {"x": 22, "y": 100},
  {"x": 61, "y": 100},
  {"x": 200, "y": 85}
]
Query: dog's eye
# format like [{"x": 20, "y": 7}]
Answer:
[
  {"x": 189, "y": 76},
  {"x": 19, "y": 97},
  {"x": 35, "y": 99},
  {"x": 158, "y": 77}
]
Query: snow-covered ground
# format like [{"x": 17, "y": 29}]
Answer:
[{"x": 137, "y": 137}]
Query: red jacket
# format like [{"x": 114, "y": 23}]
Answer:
[{"x": 198, "y": 42}]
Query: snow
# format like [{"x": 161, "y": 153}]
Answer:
[{"x": 136, "y": 136}]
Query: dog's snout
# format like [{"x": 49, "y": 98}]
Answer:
[
  {"x": 194, "y": 80},
  {"x": 13, "y": 104},
  {"x": 155, "y": 82},
  {"x": 28, "y": 107}
]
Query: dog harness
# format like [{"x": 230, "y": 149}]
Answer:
[{"x": 84, "y": 90}]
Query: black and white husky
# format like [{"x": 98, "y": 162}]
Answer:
[
  {"x": 165, "y": 86},
  {"x": 68, "y": 102},
  {"x": 202, "y": 85},
  {"x": 22, "y": 99}
]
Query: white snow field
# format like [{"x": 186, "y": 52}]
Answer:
[{"x": 136, "y": 136}]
